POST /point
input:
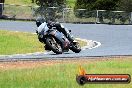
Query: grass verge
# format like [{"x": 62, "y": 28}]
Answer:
[
  {"x": 61, "y": 73},
  {"x": 70, "y": 3},
  {"x": 20, "y": 43},
  {"x": 19, "y": 2}
]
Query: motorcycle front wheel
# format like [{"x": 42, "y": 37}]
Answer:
[{"x": 53, "y": 45}]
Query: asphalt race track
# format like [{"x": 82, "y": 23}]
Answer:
[{"x": 114, "y": 39}]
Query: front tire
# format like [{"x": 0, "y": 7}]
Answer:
[{"x": 53, "y": 45}]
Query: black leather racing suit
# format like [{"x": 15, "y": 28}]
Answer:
[{"x": 58, "y": 26}]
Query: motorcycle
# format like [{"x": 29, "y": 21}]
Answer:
[{"x": 57, "y": 42}]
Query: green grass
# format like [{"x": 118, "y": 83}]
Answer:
[
  {"x": 19, "y": 2},
  {"x": 18, "y": 42},
  {"x": 63, "y": 75},
  {"x": 71, "y": 3}
]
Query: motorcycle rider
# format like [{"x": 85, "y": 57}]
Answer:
[{"x": 40, "y": 21}]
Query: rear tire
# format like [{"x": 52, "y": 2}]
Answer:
[{"x": 53, "y": 45}]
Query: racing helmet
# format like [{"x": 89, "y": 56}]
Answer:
[{"x": 39, "y": 21}]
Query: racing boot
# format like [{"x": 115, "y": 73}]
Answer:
[{"x": 68, "y": 35}]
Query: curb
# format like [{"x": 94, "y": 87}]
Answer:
[{"x": 90, "y": 44}]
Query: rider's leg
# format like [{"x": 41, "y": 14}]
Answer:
[{"x": 64, "y": 31}]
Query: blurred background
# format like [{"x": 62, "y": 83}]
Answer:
[{"x": 70, "y": 11}]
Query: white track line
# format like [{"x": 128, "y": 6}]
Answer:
[
  {"x": 98, "y": 44},
  {"x": 90, "y": 44}
]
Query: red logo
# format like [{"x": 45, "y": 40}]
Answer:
[{"x": 84, "y": 78}]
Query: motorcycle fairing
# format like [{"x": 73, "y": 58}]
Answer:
[{"x": 60, "y": 36}]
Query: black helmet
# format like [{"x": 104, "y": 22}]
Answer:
[{"x": 39, "y": 21}]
